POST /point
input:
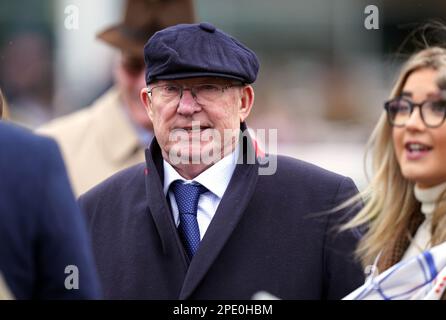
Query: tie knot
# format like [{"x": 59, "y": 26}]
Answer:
[{"x": 187, "y": 195}]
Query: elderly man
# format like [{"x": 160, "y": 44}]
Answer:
[
  {"x": 197, "y": 220},
  {"x": 112, "y": 134}
]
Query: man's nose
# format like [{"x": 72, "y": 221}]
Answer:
[{"x": 187, "y": 104}]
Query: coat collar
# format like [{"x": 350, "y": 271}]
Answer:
[
  {"x": 234, "y": 202},
  {"x": 157, "y": 202}
]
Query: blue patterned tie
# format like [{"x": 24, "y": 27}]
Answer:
[{"x": 186, "y": 196}]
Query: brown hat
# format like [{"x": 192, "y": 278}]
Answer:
[{"x": 143, "y": 18}]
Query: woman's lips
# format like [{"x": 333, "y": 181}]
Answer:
[{"x": 416, "y": 150}]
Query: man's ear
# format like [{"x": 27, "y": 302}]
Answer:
[
  {"x": 147, "y": 102},
  {"x": 247, "y": 101}
]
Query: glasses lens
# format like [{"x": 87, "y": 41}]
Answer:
[
  {"x": 434, "y": 112},
  {"x": 398, "y": 111},
  {"x": 207, "y": 92},
  {"x": 167, "y": 92}
]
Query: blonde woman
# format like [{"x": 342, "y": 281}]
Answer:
[{"x": 404, "y": 212}]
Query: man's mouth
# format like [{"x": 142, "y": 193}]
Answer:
[{"x": 194, "y": 128}]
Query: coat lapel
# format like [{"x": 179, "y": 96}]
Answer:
[
  {"x": 157, "y": 202},
  {"x": 230, "y": 210}
]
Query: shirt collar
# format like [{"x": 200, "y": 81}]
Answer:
[
  {"x": 215, "y": 178},
  {"x": 429, "y": 197}
]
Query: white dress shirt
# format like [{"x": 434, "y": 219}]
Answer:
[{"x": 216, "y": 179}]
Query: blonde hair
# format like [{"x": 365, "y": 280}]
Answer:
[
  {"x": 390, "y": 203},
  {"x": 3, "y": 107},
  {"x": 1, "y": 104},
  {"x": 4, "y": 111}
]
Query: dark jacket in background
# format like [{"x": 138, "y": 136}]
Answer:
[{"x": 41, "y": 228}]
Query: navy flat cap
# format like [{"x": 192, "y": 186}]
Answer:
[{"x": 198, "y": 50}]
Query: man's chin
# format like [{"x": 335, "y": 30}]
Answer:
[{"x": 201, "y": 154}]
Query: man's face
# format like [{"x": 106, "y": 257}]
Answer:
[
  {"x": 193, "y": 127},
  {"x": 130, "y": 78}
]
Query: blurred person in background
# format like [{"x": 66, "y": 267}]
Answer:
[
  {"x": 113, "y": 132},
  {"x": 405, "y": 212},
  {"x": 29, "y": 91},
  {"x": 45, "y": 251}
]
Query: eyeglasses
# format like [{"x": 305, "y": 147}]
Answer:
[
  {"x": 399, "y": 110},
  {"x": 202, "y": 93}
]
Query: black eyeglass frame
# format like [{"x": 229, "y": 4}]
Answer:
[{"x": 412, "y": 106}]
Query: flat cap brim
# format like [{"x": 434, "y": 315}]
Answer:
[{"x": 184, "y": 75}]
